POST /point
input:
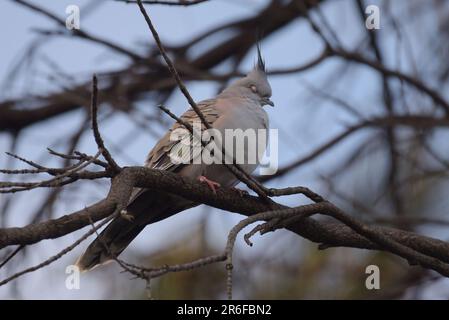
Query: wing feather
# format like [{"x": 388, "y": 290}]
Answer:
[{"x": 160, "y": 157}]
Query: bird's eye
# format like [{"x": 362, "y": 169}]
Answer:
[{"x": 253, "y": 88}]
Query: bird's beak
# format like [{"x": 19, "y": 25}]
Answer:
[{"x": 268, "y": 101}]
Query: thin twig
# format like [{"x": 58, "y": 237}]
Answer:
[
  {"x": 56, "y": 181},
  {"x": 80, "y": 33},
  {"x": 114, "y": 166},
  {"x": 11, "y": 255},
  {"x": 183, "y": 3}
]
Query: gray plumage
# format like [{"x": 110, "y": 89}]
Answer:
[{"x": 239, "y": 106}]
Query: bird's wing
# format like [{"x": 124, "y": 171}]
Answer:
[{"x": 160, "y": 157}]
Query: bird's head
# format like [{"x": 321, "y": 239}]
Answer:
[{"x": 255, "y": 85}]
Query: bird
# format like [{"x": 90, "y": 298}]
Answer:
[{"x": 238, "y": 106}]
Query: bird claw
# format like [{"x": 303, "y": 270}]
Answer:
[{"x": 211, "y": 184}]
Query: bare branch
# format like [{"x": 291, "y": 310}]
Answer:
[
  {"x": 79, "y": 33},
  {"x": 101, "y": 147}
]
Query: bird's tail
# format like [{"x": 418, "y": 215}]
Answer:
[
  {"x": 146, "y": 207},
  {"x": 109, "y": 243}
]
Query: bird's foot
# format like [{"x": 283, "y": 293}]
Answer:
[
  {"x": 211, "y": 184},
  {"x": 241, "y": 192}
]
